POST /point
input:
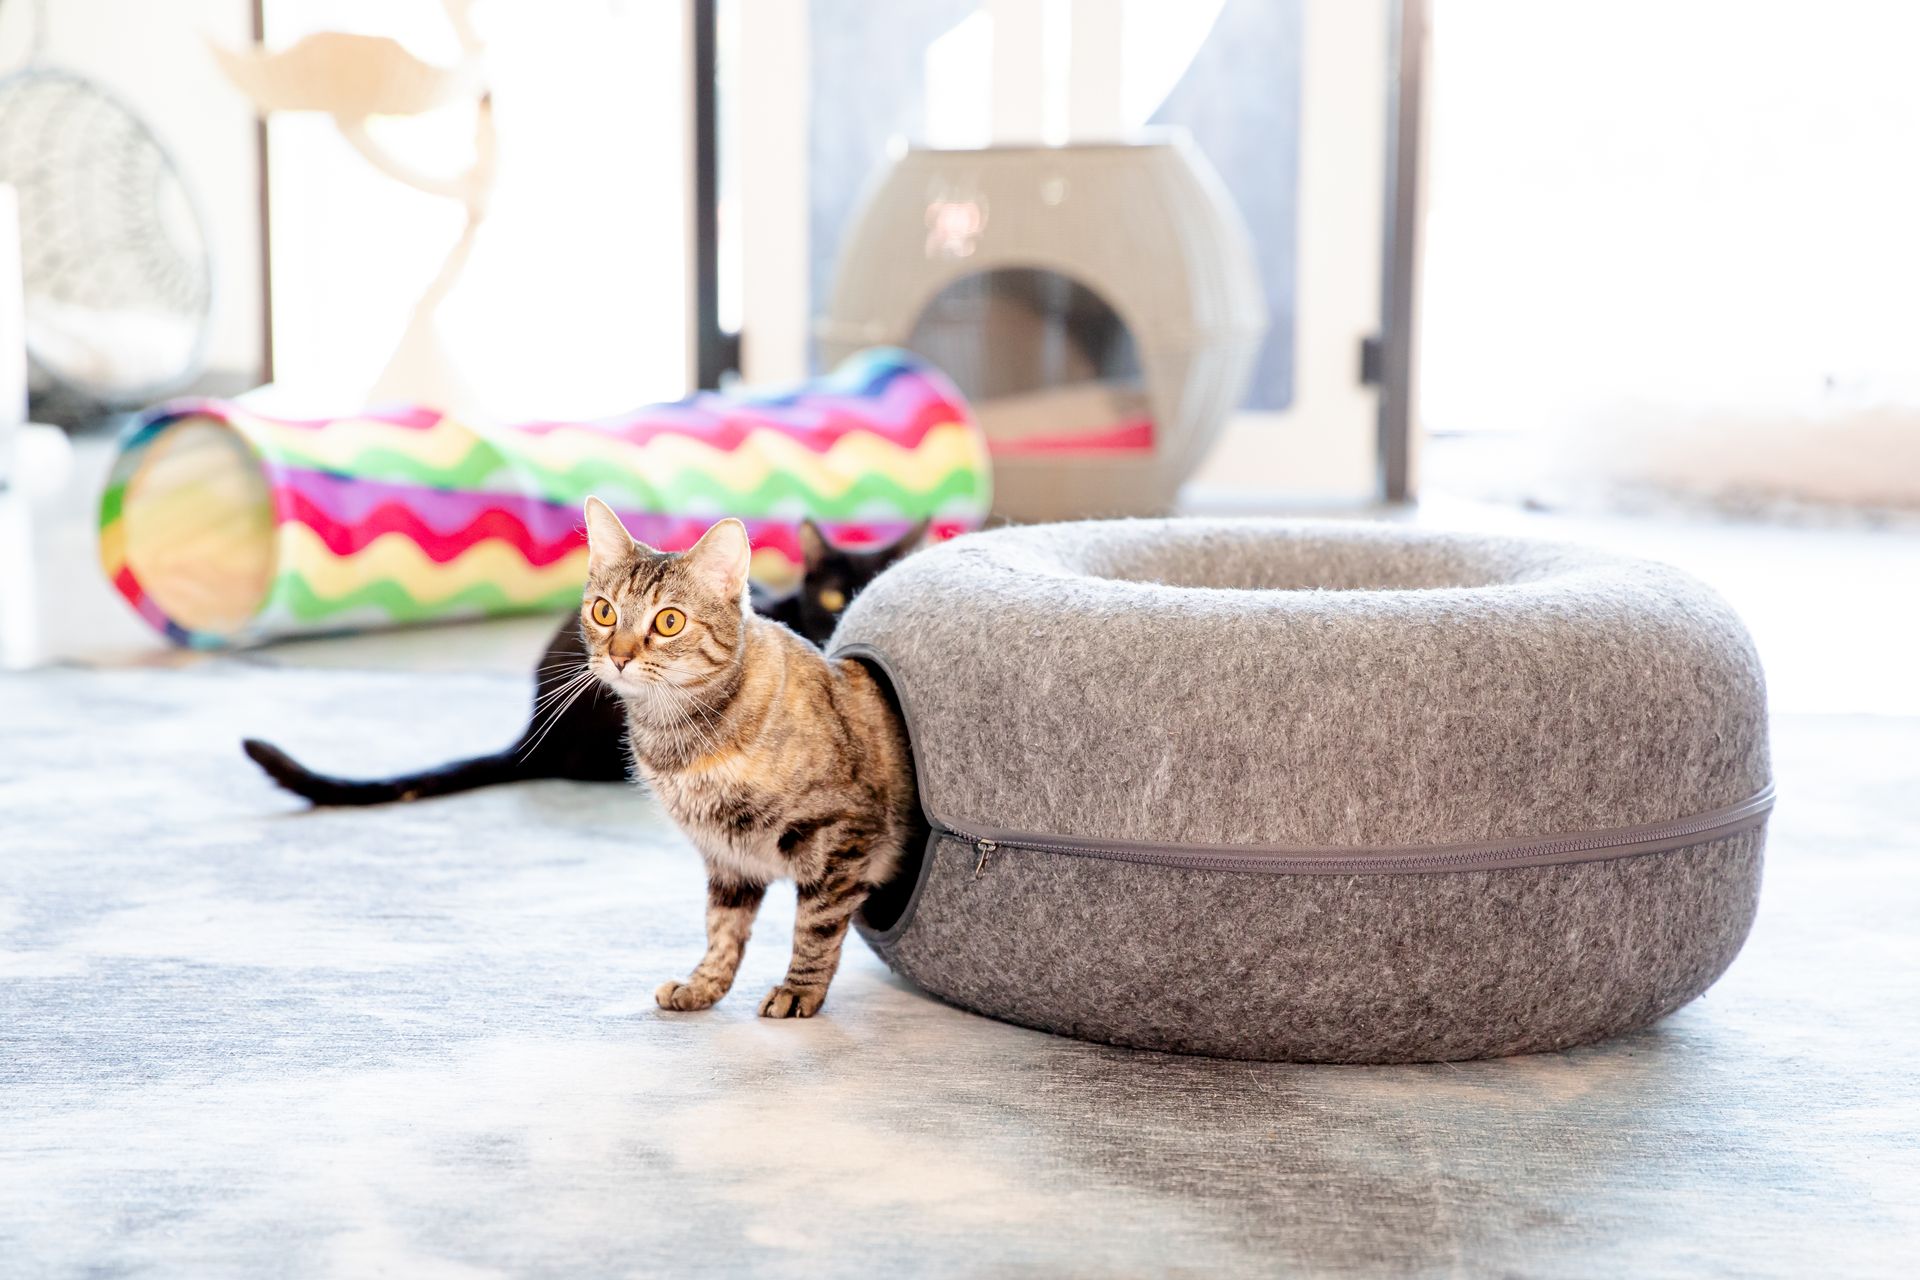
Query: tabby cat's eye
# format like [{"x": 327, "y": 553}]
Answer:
[
  {"x": 833, "y": 601},
  {"x": 668, "y": 622},
  {"x": 603, "y": 612}
]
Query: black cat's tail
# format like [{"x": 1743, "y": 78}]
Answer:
[{"x": 324, "y": 789}]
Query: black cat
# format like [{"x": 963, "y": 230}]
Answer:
[{"x": 583, "y": 737}]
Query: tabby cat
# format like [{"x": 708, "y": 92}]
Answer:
[
  {"x": 578, "y": 727},
  {"x": 776, "y": 761}
]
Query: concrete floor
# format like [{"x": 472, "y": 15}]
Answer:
[{"x": 238, "y": 1038}]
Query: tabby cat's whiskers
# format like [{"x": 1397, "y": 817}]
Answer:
[{"x": 558, "y": 701}]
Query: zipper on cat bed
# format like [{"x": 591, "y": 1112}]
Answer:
[
  {"x": 985, "y": 848},
  {"x": 1493, "y": 855}
]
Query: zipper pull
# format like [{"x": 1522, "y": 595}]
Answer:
[{"x": 986, "y": 848}]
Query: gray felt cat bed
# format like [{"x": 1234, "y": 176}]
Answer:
[{"x": 1316, "y": 791}]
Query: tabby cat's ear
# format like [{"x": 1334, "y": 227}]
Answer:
[
  {"x": 721, "y": 558},
  {"x": 813, "y": 545},
  {"x": 608, "y": 542}
]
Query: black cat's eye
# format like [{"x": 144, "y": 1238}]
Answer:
[
  {"x": 833, "y": 601},
  {"x": 603, "y": 612},
  {"x": 668, "y": 622}
]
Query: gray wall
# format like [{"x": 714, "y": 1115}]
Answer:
[
  {"x": 1241, "y": 101},
  {"x": 865, "y": 88}
]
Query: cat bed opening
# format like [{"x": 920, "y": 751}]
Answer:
[
  {"x": 1046, "y": 362},
  {"x": 885, "y": 906},
  {"x": 1317, "y": 791}
]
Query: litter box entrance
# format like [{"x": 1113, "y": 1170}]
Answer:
[
  {"x": 1047, "y": 363},
  {"x": 198, "y": 519}
]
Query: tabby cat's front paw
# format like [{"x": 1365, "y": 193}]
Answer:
[
  {"x": 793, "y": 1002},
  {"x": 687, "y": 996}
]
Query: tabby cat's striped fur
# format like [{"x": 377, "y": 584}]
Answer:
[{"x": 776, "y": 761}]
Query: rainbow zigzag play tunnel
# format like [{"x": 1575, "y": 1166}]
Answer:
[{"x": 221, "y": 525}]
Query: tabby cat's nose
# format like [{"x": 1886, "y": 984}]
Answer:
[{"x": 620, "y": 660}]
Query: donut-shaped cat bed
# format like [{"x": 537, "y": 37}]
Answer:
[{"x": 1327, "y": 792}]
